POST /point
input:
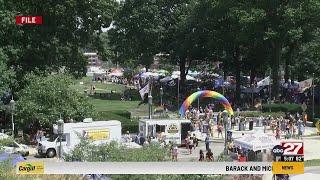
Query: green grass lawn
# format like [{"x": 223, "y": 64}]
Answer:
[
  {"x": 313, "y": 162},
  {"x": 104, "y": 87},
  {"x": 111, "y": 105},
  {"x": 106, "y": 109}
]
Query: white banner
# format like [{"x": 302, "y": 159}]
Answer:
[
  {"x": 157, "y": 168},
  {"x": 264, "y": 82},
  {"x": 303, "y": 85}
]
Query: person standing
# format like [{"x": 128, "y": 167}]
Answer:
[
  {"x": 277, "y": 132},
  {"x": 175, "y": 153},
  {"x": 201, "y": 156},
  {"x": 209, "y": 155},
  {"x": 220, "y": 130},
  {"x": 187, "y": 142},
  {"x": 195, "y": 141},
  {"x": 207, "y": 142},
  {"x": 191, "y": 145}
]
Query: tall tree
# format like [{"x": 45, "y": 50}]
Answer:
[
  {"x": 283, "y": 23},
  {"x": 67, "y": 27},
  {"x": 136, "y": 32}
]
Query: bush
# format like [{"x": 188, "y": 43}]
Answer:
[
  {"x": 258, "y": 114},
  {"x": 133, "y": 94},
  {"x": 127, "y": 123},
  {"x": 293, "y": 108},
  {"x": 108, "y": 96}
]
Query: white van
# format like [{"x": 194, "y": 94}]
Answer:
[
  {"x": 174, "y": 130},
  {"x": 97, "y": 131}
]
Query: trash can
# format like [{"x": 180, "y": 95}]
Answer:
[
  {"x": 243, "y": 126},
  {"x": 229, "y": 135},
  {"x": 250, "y": 125}
]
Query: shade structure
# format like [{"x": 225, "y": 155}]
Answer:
[{"x": 257, "y": 141}]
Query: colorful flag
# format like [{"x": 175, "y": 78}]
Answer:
[
  {"x": 171, "y": 83},
  {"x": 218, "y": 83},
  {"x": 264, "y": 82},
  {"x": 144, "y": 90},
  {"x": 303, "y": 85}
]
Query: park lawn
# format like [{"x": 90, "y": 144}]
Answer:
[
  {"x": 100, "y": 87},
  {"x": 112, "y": 105},
  {"x": 313, "y": 162}
]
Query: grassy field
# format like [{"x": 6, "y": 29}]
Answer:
[
  {"x": 100, "y": 87},
  {"x": 106, "y": 109},
  {"x": 313, "y": 162},
  {"x": 111, "y": 105}
]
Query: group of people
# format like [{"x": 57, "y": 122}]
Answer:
[
  {"x": 289, "y": 126},
  {"x": 191, "y": 142},
  {"x": 203, "y": 120}
]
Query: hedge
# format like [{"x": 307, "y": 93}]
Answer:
[
  {"x": 127, "y": 123},
  {"x": 287, "y": 107},
  {"x": 133, "y": 94}
]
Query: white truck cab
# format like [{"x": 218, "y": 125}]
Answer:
[{"x": 97, "y": 131}]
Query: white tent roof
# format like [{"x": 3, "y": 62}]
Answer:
[{"x": 257, "y": 141}]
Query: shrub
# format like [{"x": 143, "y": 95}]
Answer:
[
  {"x": 287, "y": 107},
  {"x": 133, "y": 94},
  {"x": 127, "y": 123}
]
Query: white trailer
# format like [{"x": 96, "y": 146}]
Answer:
[
  {"x": 97, "y": 131},
  {"x": 174, "y": 130}
]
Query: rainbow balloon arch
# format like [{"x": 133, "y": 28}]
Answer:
[{"x": 205, "y": 93}]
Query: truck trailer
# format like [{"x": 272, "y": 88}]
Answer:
[{"x": 96, "y": 131}]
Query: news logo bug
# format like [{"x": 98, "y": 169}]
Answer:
[
  {"x": 277, "y": 150},
  {"x": 292, "y": 148}
]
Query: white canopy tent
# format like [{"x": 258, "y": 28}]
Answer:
[
  {"x": 257, "y": 141},
  {"x": 176, "y": 74}
]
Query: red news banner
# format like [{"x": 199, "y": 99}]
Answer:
[{"x": 36, "y": 20}]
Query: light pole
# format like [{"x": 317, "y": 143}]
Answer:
[
  {"x": 270, "y": 90},
  {"x": 312, "y": 96},
  {"x": 12, "y": 106},
  {"x": 60, "y": 123},
  {"x": 252, "y": 86},
  {"x": 150, "y": 105},
  {"x": 225, "y": 121},
  {"x": 161, "y": 95},
  {"x": 178, "y": 93},
  {"x": 198, "y": 99}
]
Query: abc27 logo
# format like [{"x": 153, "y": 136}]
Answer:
[{"x": 288, "y": 152}]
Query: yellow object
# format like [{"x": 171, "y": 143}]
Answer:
[
  {"x": 287, "y": 167},
  {"x": 30, "y": 168},
  {"x": 101, "y": 134}
]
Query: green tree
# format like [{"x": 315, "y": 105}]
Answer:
[
  {"x": 47, "y": 97},
  {"x": 136, "y": 32},
  {"x": 67, "y": 27},
  {"x": 286, "y": 23}
]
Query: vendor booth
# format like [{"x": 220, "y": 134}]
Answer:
[
  {"x": 257, "y": 141},
  {"x": 174, "y": 130}
]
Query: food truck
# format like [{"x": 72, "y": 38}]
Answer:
[
  {"x": 96, "y": 131},
  {"x": 174, "y": 130}
]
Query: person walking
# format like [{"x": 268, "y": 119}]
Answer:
[
  {"x": 207, "y": 142},
  {"x": 201, "y": 156}
]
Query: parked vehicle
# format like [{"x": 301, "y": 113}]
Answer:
[
  {"x": 16, "y": 148},
  {"x": 97, "y": 131}
]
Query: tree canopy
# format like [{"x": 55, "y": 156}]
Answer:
[{"x": 47, "y": 98}]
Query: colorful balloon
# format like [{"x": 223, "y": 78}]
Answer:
[{"x": 205, "y": 93}]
